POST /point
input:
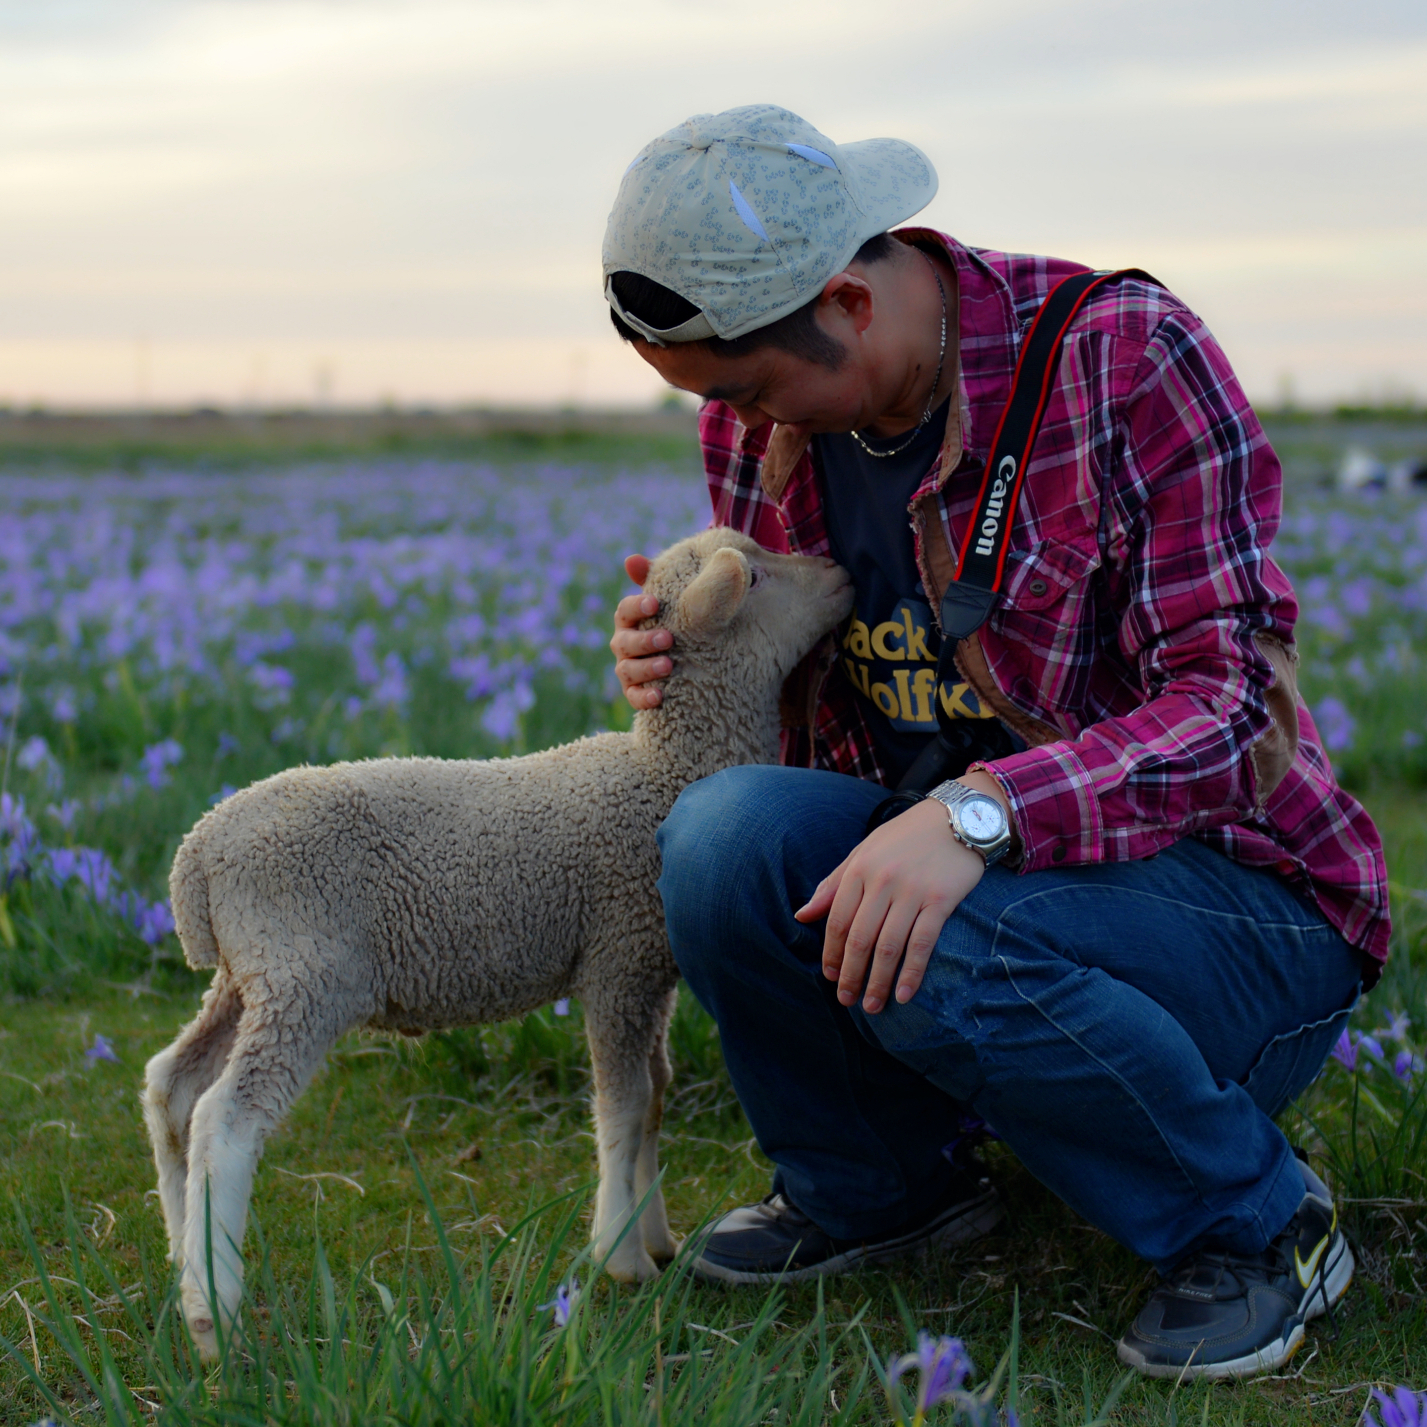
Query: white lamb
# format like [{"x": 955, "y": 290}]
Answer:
[{"x": 416, "y": 893}]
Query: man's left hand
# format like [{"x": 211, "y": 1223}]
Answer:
[{"x": 887, "y": 901}]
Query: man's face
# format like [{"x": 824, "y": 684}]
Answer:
[{"x": 767, "y": 385}]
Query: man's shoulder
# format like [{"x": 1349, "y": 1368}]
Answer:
[{"x": 1133, "y": 308}]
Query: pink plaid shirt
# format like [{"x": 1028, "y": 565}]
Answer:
[{"x": 1143, "y": 644}]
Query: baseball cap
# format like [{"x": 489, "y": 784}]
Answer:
[{"x": 747, "y": 214}]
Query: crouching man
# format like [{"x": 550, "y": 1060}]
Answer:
[{"x": 1135, "y": 912}]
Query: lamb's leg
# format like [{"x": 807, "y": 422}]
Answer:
[
  {"x": 621, "y": 1035},
  {"x": 273, "y": 1057},
  {"x": 654, "y": 1223},
  {"x": 173, "y": 1081}
]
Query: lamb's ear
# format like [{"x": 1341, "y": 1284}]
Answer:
[{"x": 715, "y": 595}]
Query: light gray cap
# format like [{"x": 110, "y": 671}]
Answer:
[{"x": 748, "y": 213}]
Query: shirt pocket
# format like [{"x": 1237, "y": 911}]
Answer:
[{"x": 1042, "y": 576}]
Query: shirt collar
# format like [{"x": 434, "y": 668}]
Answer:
[{"x": 986, "y": 343}]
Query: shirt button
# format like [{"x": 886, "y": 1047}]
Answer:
[
  {"x": 1038, "y": 587},
  {"x": 1058, "y": 855}
]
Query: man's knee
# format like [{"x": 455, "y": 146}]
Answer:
[
  {"x": 710, "y": 846},
  {"x": 717, "y": 819}
]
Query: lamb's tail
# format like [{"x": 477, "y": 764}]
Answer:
[{"x": 188, "y": 890}]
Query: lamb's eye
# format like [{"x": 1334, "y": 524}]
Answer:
[{"x": 759, "y": 575}]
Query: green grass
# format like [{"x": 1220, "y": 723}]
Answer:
[
  {"x": 454, "y": 1171},
  {"x": 493, "y": 1122},
  {"x": 236, "y": 440}
]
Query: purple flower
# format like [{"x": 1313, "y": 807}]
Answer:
[
  {"x": 61, "y": 864},
  {"x": 1346, "y": 1051},
  {"x": 1396, "y": 1029},
  {"x": 34, "y": 753},
  {"x": 156, "y": 760},
  {"x": 66, "y": 813},
  {"x": 1405, "y": 1065},
  {"x": 226, "y": 791},
  {"x": 1335, "y": 723},
  {"x": 100, "y": 1050},
  {"x": 563, "y": 1304},
  {"x": 1372, "y": 1045},
  {"x": 154, "y": 922},
  {"x": 1404, "y": 1408},
  {"x": 227, "y": 744},
  {"x": 562, "y": 1006},
  {"x": 943, "y": 1364},
  {"x": 94, "y": 872}
]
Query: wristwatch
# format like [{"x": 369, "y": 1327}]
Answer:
[{"x": 976, "y": 820}]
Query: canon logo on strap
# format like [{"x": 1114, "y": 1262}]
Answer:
[{"x": 995, "y": 504}]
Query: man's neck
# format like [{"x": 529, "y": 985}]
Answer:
[{"x": 913, "y": 302}]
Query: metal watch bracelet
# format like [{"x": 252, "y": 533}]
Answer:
[{"x": 951, "y": 795}]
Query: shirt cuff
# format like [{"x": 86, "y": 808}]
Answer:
[{"x": 1053, "y": 806}]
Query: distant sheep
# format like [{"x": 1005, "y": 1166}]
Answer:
[{"x": 415, "y": 893}]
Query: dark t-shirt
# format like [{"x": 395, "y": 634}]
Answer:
[{"x": 890, "y": 647}]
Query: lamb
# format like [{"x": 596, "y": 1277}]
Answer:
[{"x": 417, "y": 893}]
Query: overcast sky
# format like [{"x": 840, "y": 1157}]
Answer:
[{"x": 279, "y": 200}]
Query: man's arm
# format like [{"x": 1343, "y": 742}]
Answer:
[{"x": 731, "y": 458}]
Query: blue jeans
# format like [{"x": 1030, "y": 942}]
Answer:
[{"x": 1128, "y": 1029}]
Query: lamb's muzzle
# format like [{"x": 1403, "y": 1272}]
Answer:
[{"x": 416, "y": 893}]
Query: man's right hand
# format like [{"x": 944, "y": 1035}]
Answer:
[{"x": 638, "y": 652}]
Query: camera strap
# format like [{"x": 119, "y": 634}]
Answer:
[{"x": 975, "y": 589}]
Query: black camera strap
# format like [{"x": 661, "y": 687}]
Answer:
[{"x": 976, "y": 587}]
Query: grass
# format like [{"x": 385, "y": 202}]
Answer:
[
  {"x": 402, "y": 1146},
  {"x": 214, "y": 440},
  {"x": 426, "y": 1197}
]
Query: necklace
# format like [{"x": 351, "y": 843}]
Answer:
[{"x": 931, "y": 397}]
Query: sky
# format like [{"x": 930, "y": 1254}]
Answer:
[{"x": 261, "y": 202}]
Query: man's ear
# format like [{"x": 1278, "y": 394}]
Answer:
[
  {"x": 847, "y": 297},
  {"x": 714, "y": 597}
]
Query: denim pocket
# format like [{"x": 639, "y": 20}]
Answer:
[{"x": 1289, "y": 1063}]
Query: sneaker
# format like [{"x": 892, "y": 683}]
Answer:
[
  {"x": 1221, "y": 1315},
  {"x": 775, "y": 1242}
]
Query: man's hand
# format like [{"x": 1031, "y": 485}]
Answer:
[
  {"x": 637, "y": 651},
  {"x": 887, "y": 902}
]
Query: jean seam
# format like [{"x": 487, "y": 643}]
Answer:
[
  {"x": 1109, "y": 1072},
  {"x": 1199, "y": 909}
]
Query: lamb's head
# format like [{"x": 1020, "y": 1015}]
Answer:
[{"x": 741, "y": 616}]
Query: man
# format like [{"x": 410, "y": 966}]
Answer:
[{"x": 1129, "y": 932}]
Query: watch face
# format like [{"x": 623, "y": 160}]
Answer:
[{"x": 982, "y": 818}]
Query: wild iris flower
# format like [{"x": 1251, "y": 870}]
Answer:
[
  {"x": 100, "y": 1050},
  {"x": 563, "y": 1304},
  {"x": 1404, "y": 1408},
  {"x": 944, "y": 1366}
]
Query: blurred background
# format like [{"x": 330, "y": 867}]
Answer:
[
  {"x": 279, "y": 203},
  {"x": 316, "y": 444}
]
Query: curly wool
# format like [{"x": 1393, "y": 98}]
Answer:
[{"x": 417, "y": 893}]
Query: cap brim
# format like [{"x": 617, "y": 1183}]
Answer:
[{"x": 892, "y": 179}]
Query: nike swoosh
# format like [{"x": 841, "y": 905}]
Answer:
[{"x": 1307, "y": 1270}]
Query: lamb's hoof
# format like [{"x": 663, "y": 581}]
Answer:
[
  {"x": 204, "y": 1339},
  {"x": 665, "y": 1253},
  {"x": 634, "y": 1269}
]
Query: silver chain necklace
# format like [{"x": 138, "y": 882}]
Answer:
[{"x": 926, "y": 415}]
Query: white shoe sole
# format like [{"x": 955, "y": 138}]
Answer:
[
  {"x": 1337, "y": 1276},
  {"x": 968, "y": 1220}
]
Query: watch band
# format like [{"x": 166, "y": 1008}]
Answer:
[{"x": 951, "y": 795}]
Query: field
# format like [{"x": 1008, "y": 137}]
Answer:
[{"x": 173, "y": 628}]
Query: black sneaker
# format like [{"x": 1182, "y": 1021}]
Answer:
[
  {"x": 1222, "y": 1315},
  {"x": 775, "y": 1242}
]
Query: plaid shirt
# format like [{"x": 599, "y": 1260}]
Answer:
[{"x": 1143, "y": 643}]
